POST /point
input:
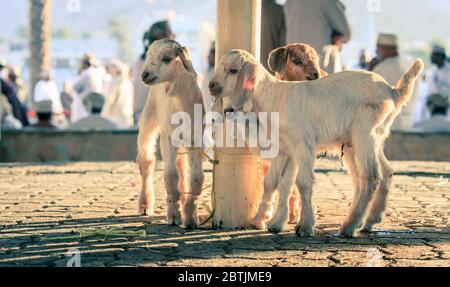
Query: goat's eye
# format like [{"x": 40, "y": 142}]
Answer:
[
  {"x": 233, "y": 71},
  {"x": 297, "y": 62},
  {"x": 166, "y": 60}
]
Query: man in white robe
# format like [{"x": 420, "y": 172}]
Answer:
[
  {"x": 438, "y": 106},
  {"x": 90, "y": 80},
  {"x": 391, "y": 66},
  {"x": 439, "y": 82}
]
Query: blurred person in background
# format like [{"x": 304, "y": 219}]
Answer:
[
  {"x": 90, "y": 80},
  {"x": 94, "y": 103},
  {"x": 44, "y": 112},
  {"x": 438, "y": 107},
  {"x": 46, "y": 89},
  {"x": 7, "y": 91},
  {"x": 391, "y": 66},
  {"x": 331, "y": 54},
  {"x": 119, "y": 103},
  {"x": 314, "y": 21},
  {"x": 3, "y": 64},
  {"x": 364, "y": 59},
  {"x": 159, "y": 30},
  {"x": 15, "y": 79},
  {"x": 273, "y": 29},
  {"x": 7, "y": 119},
  {"x": 439, "y": 80},
  {"x": 66, "y": 99}
]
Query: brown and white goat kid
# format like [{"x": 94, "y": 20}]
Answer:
[
  {"x": 351, "y": 109},
  {"x": 293, "y": 62},
  {"x": 168, "y": 69},
  {"x": 296, "y": 62}
]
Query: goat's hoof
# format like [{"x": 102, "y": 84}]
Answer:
[
  {"x": 275, "y": 227},
  {"x": 368, "y": 228},
  {"x": 144, "y": 211},
  {"x": 347, "y": 232},
  {"x": 302, "y": 231},
  {"x": 191, "y": 223},
  {"x": 174, "y": 220},
  {"x": 258, "y": 224}
]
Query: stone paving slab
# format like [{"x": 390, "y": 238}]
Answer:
[{"x": 42, "y": 207}]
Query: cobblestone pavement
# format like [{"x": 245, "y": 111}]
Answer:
[{"x": 42, "y": 207}]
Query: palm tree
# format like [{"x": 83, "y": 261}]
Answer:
[{"x": 40, "y": 37}]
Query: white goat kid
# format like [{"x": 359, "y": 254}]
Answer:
[
  {"x": 350, "y": 109},
  {"x": 168, "y": 69}
]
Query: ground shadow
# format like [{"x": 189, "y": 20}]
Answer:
[{"x": 47, "y": 243}]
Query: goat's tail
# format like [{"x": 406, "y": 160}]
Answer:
[{"x": 405, "y": 86}]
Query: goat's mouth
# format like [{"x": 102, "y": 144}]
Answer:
[
  {"x": 151, "y": 80},
  {"x": 229, "y": 110},
  {"x": 216, "y": 92},
  {"x": 313, "y": 77}
]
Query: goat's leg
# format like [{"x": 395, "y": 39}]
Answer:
[
  {"x": 281, "y": 217},
  {"x": 369, "y": 175},
  {"x": 350, "y": 164},
  {"x": 182, "y": 171},
  {"x": 171, "y": 179},
  {"x": 294, "y": 206},
  {"x": 304, "y": 182},
  {"x": 266, "y": 207},
  {"x": 148, "y": 133},
  {"x": 379, "y": 202},
  {"x": 196, "y": 180}
]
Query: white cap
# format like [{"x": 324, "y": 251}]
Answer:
[{"x": 387, "y": 40}]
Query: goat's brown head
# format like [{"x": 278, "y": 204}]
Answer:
[
  {"x": 236, "y": 77},
  {"x": 296, "y": 62},
  {"x": 166, "y": 59}
]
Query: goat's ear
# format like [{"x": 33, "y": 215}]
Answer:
[
  {"x": 245, "y": 85},
  {"x": 323, "y": 74},
  {"x": 277, "y": 60},
  {"x": 185, "y": 57}
]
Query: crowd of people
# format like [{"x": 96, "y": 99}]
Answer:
[
  {"x": 112, "y": 96},
  {"x": 77, "y": 105},
  {"x": 323, "y": 24}
]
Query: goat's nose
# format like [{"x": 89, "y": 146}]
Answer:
[
  {"x": 212, "y": 85},
  {"x": 214, "y": 88},
  {"x": 145, "y": 75},
  {"x": 316, "y": 75}
]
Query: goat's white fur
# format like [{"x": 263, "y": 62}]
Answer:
[
  {"x": 355, "y": 109},
  {"x": 174, "y": 90}
]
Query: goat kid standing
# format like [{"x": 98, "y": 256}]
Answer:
[
  {"x": 350, "y": 109},
  {"x": 168, "y": 69},
  {"x": 293, "y": 62}
]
